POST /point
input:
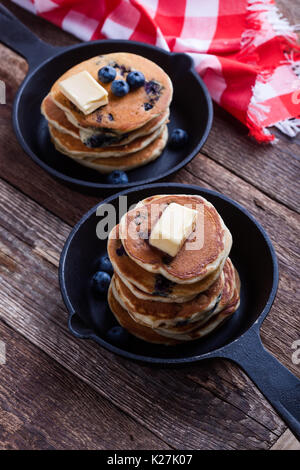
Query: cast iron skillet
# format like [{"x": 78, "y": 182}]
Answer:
[
  {"x": 191, "y": 107},
  {"x": 238, "y": 339}
]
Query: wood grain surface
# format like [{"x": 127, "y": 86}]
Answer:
[{"x": 57, "y": 392}]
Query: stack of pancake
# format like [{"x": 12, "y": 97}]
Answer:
[
  {"x": 128, "y": 132},
  {"x": 171, "y": 300}
]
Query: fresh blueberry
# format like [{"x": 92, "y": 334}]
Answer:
[
  {"x": 117, "y": 335},
  {"x": 100, "y": 282},
  {"x": 107, "y": 74},
  {"x": 178, "y": 138},
  {"x": 104, "y": 264},
  {"x": 119, "y": 88},
  {"x": 117, "y": 177},
  {"x": 135, "y": 80}
]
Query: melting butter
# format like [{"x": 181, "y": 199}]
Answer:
[
  {"x": 84, "y": 91},
  {"x": 172, "y": 228}
]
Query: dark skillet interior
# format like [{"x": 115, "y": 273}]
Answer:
[
  {"x": 251, "y": 255},
  {"x": 191, "y": 110}
]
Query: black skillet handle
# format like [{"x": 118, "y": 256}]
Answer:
[
  {"x": 19, "y": 38},
  {"x": 275, "y": 381}
]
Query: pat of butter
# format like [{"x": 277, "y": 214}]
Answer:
[
  {"x": 83, "y": 90},
  {"x": 172, "y": 228}
]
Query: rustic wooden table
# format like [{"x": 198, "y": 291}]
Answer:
[{"x": 57, "y": 392}]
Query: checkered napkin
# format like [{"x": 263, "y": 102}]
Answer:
[{"x": 244, "y": 50}]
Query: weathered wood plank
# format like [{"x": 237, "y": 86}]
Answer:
[
  {"x": 43, "y": 406},
  {"x": 287, "y": 441},
  {"x": 290, "y": 10},
  {"x": 181, "y": 412}
]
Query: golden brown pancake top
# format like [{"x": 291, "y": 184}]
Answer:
[
  {"x": 136, "y": 225},
  {"x": 121, "y": 114}
]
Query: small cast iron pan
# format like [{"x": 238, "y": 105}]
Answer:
[
  {"x": 238, "y": 339},
  {"x": 191, "y": 107}
]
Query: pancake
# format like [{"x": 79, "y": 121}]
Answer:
[
  {"x": 151, "y": 285},
  {"x": 124, "y": 114},
  {"x": 140, "y": 331},
  {"x": 162, "y": 314},
  {"x": 106, "y": 165},
  {"x": 75, "y": 148},
  {"x": 228, "y": 299},
  {"x": 217, "y": 320},
  {"x": 150, "y": 335},
  {"x": 57, "y": 117},
  {"x": 154, "y": 297},
  {"x": 228, "y": 292},
  {"x": 88, "y": 136},
  {"x": 205, "y": 328},
  {"x": 188, "y": 266}
]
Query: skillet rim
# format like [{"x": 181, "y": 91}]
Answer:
[
  {"x": 56, "y": 52},
  {"x": 219, "y": 352}
]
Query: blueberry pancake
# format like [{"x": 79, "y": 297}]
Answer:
[
  {"x": 120, "y": 115},
  {"x": 127, "y": 162},
  {"x": 161, "y": 336},
  {"x": 211, "y": 240},
  {"x": 76, "y": 149},
  {"x": 172, "y": 299},
  {"x": 152, "y": 285},
  {"x": 95, "y": 137},
  {"x": 215, "y": 320},
  {"x": 161, "y": 314},
  {"x": 57, "y": 118},
  {"x": 226, "y": 299},
  {"x": 140, "y": 331}
]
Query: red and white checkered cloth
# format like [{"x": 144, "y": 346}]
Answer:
[{"x": 245, "y": 51}]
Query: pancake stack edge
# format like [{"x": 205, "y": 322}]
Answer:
[
  {"x": 172, "y": 301},
  {"x": 128, "y": 132}
]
